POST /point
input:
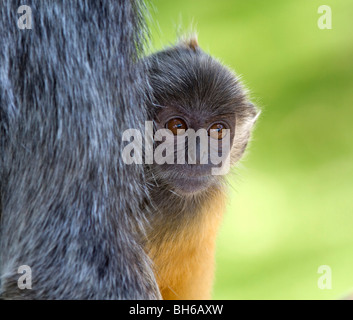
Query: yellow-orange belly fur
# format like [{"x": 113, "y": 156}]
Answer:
[{"x": 184, "y": 264}]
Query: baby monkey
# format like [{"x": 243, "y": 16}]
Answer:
[{"x": 191, "y": 90}]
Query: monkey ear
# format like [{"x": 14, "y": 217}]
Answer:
[
  {"x": 190, "y": 42},
  {"x": 255, "y": 113},
  {"x": 258, "y": 113}
]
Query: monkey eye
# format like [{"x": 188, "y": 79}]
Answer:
[
  {"x": 217, "y": 131},
  {"x": 176, "y": 124}
]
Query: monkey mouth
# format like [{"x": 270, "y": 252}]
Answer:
[
  {"x": 189, "y": 185},
  {"x": 187, "y": 179}
]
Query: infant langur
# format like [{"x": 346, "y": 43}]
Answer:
[{"x": 191, "y": 90}]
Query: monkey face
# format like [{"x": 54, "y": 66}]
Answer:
[
  {"x": 190, "y": 147},
  {"x": 201, "y": 114}
]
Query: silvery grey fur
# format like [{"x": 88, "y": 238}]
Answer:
[{"x": 69, "y": 206}]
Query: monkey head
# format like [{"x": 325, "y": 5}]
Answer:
[{"x": 195, "y": 95}]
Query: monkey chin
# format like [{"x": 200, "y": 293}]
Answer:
[{"x": 190, "y": 186}]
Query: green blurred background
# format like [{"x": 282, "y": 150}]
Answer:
[{"x": 290, "y": 208}]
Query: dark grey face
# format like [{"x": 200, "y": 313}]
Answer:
[
  {"x": 191, "y": 90},
  {"x": 191, "y": 169}
]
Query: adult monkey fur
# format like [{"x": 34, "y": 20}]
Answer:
[
  {"x": 66, "y": 95},
  {"x": 69, "y": 206},
  {"x": 191, "y": 90}
]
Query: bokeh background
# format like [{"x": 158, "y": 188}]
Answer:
[{"x": 290, "y": 209}]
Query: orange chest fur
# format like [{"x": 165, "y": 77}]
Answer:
[{"x": 184, "y": 261}]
